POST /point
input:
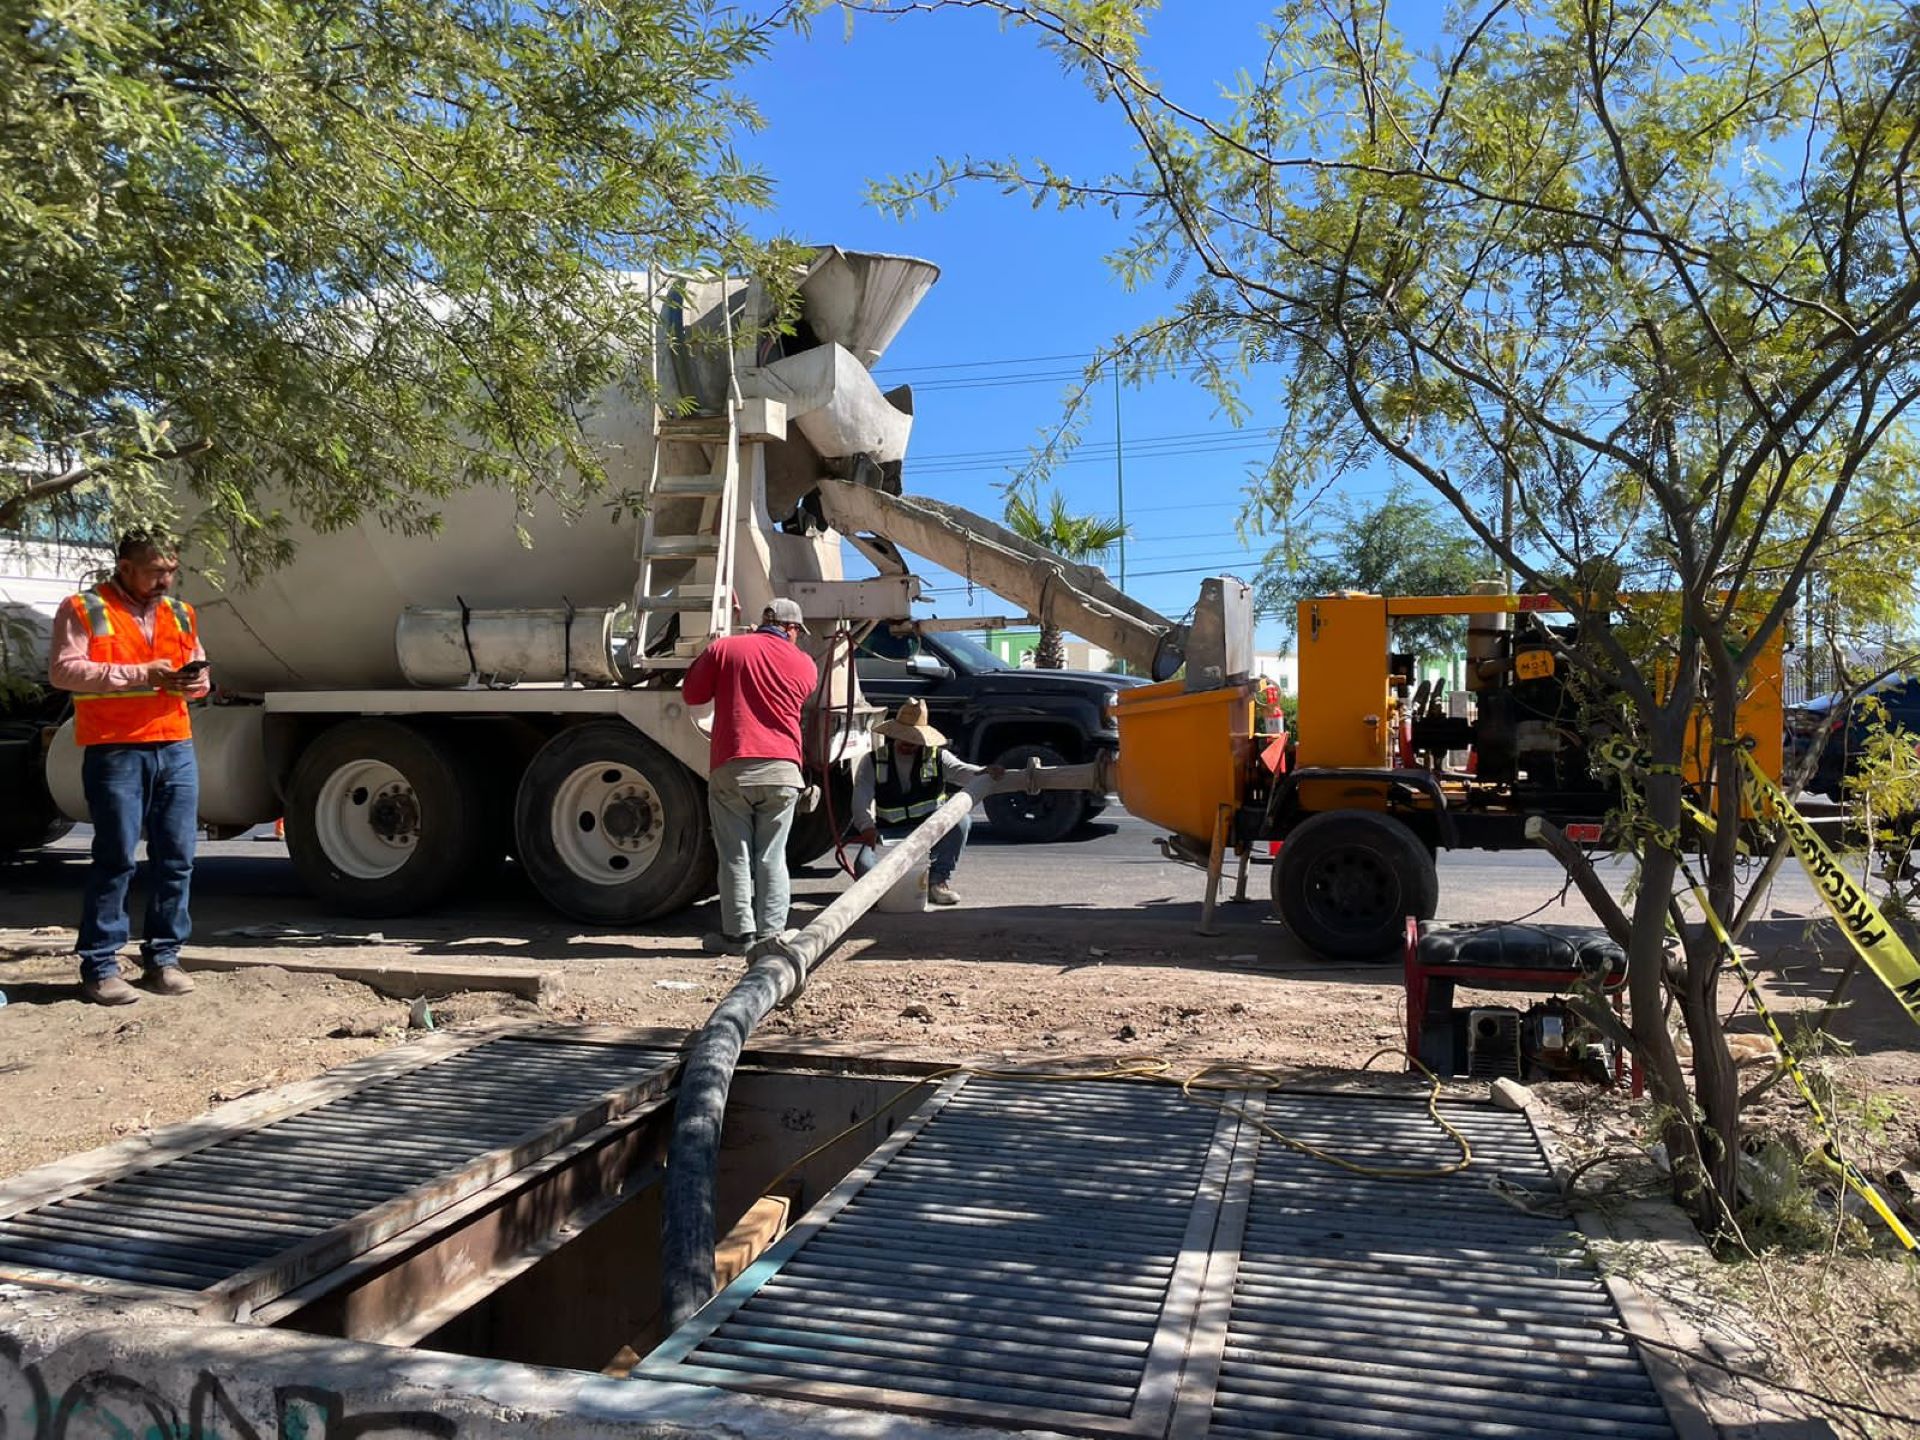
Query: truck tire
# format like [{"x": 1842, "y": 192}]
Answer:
[
  {"x": 383, "y": 819},
  {"x": 1035, "y": 819},
  {"x": 812, "y": 835},
  {"x": 28, "y": 817},
  {"x": 1347, "y": 880},
  {"x": 612, "y": 829}
]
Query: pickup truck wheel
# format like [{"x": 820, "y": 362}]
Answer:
[
  {"x": 1035, "y": 819},
  {"x": 612, "y": 829},
  {"x": 1347, "y": 880},
  {"x": 382, "y": 819}
]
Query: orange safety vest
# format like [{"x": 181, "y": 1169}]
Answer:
[{"x": 132, "y": 717}]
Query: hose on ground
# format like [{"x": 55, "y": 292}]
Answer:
[{"x": 777, "y": 971}]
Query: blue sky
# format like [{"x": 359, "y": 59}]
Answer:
[{"x": 1023, "y": 293}]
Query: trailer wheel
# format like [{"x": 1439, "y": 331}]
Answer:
[
  {"x": 1347, "y": 880},
  {"x": 612, "y": 829},
  {"x": 382, "y": 819},
  {"x": 1035, "y": 819}
]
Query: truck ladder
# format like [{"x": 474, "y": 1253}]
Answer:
[{"x": 689, "y": 523}]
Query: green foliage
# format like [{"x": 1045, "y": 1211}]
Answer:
[
  {"x": 1883, "y": 798},
  {"x": 1646, "y": 266},
  {"x": 1401, "y": 546},
  {"x": 345, "y": 256},
  {"x": 1641, "y": 264},
  {"x": 1078, "y": 538}
]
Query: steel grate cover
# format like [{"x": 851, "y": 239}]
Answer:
[
  {"x": 1113, "y": 1258},
  {"x": 256, "y": 1211},
  {"x": 1015, "y": 1252},
  {"x": 1384, "y": 1308}
]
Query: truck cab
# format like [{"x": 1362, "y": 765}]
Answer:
[{"x": 995, "y": 713}]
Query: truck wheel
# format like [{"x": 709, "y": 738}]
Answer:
[
  {"x": 382, "y": 819},
  {"x": 29, "y": 819},
  {"x": 1347, "y": 880},
  {"x": 1035, "y": 819},
  {"x": 812, "y": 835},
  {"x": 612, "y": 829}
]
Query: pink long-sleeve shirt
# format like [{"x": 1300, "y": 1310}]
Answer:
[{"x": 68, "y": 667}]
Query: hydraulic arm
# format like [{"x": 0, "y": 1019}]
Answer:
[{"x": 1077, "y": 598}]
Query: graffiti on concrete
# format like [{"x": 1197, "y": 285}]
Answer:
[{"x": 104, "y": 1405}]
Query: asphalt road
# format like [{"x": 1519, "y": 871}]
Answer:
[{"x": 1110, "y": 868}]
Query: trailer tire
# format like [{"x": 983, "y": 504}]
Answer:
[
  {"x": 612, "y": 829},
  {"x": 1346, "y": 881},
  {"x": 383, "y": 819},
  {"x": 1035, "y": 819}
]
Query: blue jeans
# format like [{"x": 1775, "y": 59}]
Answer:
[
  {"x": 940, "y": 860},
  {"x": 750, "y": 825},
  {"x": 130, "y": 787}
]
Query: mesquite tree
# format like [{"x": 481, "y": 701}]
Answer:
[
  {"x": 344, "y": 258},
  {"x": 1646, "y": 268}
]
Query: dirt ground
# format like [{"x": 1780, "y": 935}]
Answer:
[
  {"x": 1061, "y": 956},
  {"x": 75, "y": 1075},
  {"x": 1052, "y": 957}
]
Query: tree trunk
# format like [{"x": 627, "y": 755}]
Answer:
[{"x": 1051, "y": 652}]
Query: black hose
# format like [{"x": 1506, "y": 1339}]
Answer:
[{"x": 693, "y": 1154}]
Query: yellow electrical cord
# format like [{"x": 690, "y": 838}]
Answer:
[{"x": 1154, "y": 1070}]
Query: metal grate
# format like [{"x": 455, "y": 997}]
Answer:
[
  {"x": 1415, "y": 1308},
  {"x": 251, "y": 1214},
  {"x": 1028, "y": 1253},
  {"x": 1109, "y": 1258}
]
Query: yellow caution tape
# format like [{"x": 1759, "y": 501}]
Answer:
[
  {"x": 1829, "y": 1151},
  {"x": 1865, "y": 928},
  {"x": 1885, "y": 952}
]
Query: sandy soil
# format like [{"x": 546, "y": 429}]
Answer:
[{"x": 1060, "y": 955}]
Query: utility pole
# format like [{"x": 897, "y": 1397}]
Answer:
[
  {"x": 1119, "y": 475},
  {"x": 1507, "y": 479},
  {"x": 1119, "y": 482}
]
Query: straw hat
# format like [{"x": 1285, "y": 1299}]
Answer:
[{"x": 910, "y": 723}]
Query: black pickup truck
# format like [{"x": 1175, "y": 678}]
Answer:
[{"x": 995, "y": 713}]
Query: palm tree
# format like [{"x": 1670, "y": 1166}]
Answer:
[{"x": 1078, "y": 538}]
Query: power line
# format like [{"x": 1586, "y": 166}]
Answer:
[
  {"x": 1102, "y": 446},
  {"x": 982, "y": 364},
  {"x": 1150, "y": 453}
]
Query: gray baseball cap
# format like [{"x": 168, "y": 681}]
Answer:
[{"x": 786, "y": 612}]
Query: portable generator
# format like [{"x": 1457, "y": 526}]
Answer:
[{"x": 1546, "y": 1041}]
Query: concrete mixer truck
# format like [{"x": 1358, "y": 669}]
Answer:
[{"x": 417, "y": 708}]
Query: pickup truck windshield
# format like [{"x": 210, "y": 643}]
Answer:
[{"x": 970, "y": 655}]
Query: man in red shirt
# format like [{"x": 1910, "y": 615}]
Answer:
[{"x": 759, "y": 684}]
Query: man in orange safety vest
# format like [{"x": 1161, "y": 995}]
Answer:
[{"x": 130, "y": 656}]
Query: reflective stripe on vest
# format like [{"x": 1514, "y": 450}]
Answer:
[
  {"x": 96, "y": 615},
  {"x": 895, "y": 803},
  {"x": 142, "y": 716}
]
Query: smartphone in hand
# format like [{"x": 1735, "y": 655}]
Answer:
[{"x": 192, "y": 670}]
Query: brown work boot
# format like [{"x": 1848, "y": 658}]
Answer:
[
  {"x": 110, "y": 991},
  {"x": 167, "y": 980},
  {"x": 941, "y": 893}
]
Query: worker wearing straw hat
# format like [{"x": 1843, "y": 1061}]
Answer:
[{"x": 902, "y": 780}]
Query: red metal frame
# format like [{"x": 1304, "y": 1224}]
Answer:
[{"x": 1503, "y": 977}]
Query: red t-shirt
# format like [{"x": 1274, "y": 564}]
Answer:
[{"x": 759, "y": 684}]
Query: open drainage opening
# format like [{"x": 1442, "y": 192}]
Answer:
[{"x": 559, "y": 1264}]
